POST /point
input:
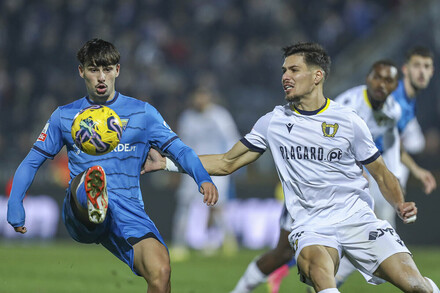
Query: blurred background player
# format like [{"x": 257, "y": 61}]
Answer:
[
  {"x": 417, "y": 70},
  {"x": 382, "y": 114},
  {"x": 206, "y": 127}
]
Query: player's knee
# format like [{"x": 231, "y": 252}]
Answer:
[
  {"x": 319, "y": 274},
  {"x": 160, "y": 279},
  {"x": 418, "y": 285},
  {"x": 285, "y": 254}
]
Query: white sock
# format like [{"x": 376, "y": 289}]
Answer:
[
  {"x": 435, "y": 289},
  {"x": 251, "y": 278},
  {"x": 329, "y": 290}
]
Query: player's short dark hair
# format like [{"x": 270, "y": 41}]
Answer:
[
  {"x": 98, "y": 52},
  {"x": 419, "y": 51},
  {"x": 384, "y": 62},
  {"x": 314, "y": 54}
]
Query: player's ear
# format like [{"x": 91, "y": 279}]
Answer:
[
  {"x": 118, "y": 67},
  {"x": 81, "y": 70},
  {"x": 404, "y": 69},
  {"x": 319, "y": 75}
]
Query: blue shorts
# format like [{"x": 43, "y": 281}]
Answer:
[{"x": 126, "y": 224}]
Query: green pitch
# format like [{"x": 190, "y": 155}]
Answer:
[{"x": 70, "y": 267}]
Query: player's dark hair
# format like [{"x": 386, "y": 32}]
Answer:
[
  {"x": 314, "y": 54},
  {"x": 98, "y": 52},
  {"x": 419, "y": 51},
  {"x": 384, "y": 62}
]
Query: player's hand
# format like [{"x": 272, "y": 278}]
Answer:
[
  {"x": 210, "y": 193},
  {"x": 407, "y": 211},
  {"x": 21, "y": 230},
  {"x": 154, "y": 162},
  {"x": 427, "y": 179}
]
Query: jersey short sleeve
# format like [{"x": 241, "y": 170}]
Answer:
[
  {"x": 50, "y": 140},
  {"x": 256, "y": 140},
  {"x": 363, "y": 146},
  {"x": 160, "y": 133}
]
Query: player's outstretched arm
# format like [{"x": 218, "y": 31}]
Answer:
[
  {"x": 224, "y": 164},
  {"x": 391, "y": 190},
  {"x": 221, "y": 164},
  {"x": 423, "y": 175},
  {"x": 22, "y": 180}
]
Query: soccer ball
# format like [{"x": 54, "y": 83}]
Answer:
[{"x": 96, "y": 130}]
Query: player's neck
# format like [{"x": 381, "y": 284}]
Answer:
[
  {"x": 409, "y": 89},
  {"x": 376, "y": 105},
  {"x": 310, "y": 102},
  {"x": 102, "y": 100}
]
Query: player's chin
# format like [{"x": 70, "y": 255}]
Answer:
[{"x": 291, "y": 98}]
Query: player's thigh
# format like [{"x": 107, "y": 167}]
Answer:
[
  {"x": 283, "y": 248},
  {"x": 324, "y": 258},
  {"x": 401, "y": 270},
  {"x": 151, "y": 258}
]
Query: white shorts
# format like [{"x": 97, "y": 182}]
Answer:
[
  {"x": 365, "y": 240},
  {"x": 286, "y": 220}
]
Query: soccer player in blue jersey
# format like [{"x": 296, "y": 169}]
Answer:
[
  {"x": 418, "y": 70},
  {"x": 103, "y": 202}
]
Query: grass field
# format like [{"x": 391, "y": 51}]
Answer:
[{"x": 70, "y": 267}]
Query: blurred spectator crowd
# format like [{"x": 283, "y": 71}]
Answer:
[{"x": 167, "y": 47}]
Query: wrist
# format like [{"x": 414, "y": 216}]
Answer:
[{"x": 170, "y": 165}]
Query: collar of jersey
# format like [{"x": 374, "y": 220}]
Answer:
[
  {"x": 367, "y": 101},
  {"x": 309, "y": 113},
  {"x": 106, "y": 103}
]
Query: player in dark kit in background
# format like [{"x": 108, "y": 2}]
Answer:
[{"x": 122, "y": 226}]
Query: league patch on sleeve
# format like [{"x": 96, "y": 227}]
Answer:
[{"x": 43, "y": 135}]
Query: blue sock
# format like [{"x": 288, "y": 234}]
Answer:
[
  {"x": 81, "y": 194},
  {"x": 292, "y": 262}
]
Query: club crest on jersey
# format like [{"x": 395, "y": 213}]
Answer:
[
  {"x": 329, "y": 130},
  {"x": 124, "y": 123},
  {"x": 289, "y": 127}
]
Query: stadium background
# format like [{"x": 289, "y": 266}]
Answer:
[{"x": 168, "y": 47}]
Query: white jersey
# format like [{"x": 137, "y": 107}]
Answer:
[
  {"x": 316, "y": 156},
  {"x": 381, "y": 123}
]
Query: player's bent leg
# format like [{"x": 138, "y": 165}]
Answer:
[
  {"x": 151, "y": 261},
  {"x": 275, "y": 262},
  {"x": 277, "y": 257},
  {"x": 400, "y": 270},
  {"x": 258, "y": 270},
  {"x": 318, "y": 264},
  {"x": 89, "y": 194},
  {"x": 96, "y": 189}
]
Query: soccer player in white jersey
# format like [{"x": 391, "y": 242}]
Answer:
[
  {"x": 381, "y": 113},
  {"x": 318, "y": 146}
]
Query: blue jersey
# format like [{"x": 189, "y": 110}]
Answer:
[
  {"x": 407, "y": 105},
  {"x": 143, "y": 127}
]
